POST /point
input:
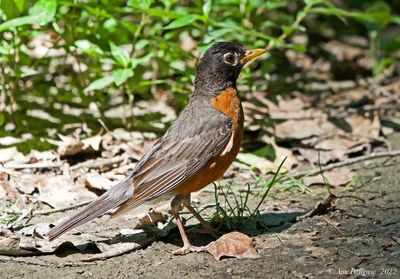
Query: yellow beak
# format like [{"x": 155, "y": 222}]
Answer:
[{"x": 252, "y": 54}]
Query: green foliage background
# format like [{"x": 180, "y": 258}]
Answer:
[{"x": 95, "y": 50}]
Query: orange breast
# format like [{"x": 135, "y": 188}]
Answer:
[{"x": 228, "y": 103}]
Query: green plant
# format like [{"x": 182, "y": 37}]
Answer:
[
  {"x": 93, "y": 52},
  {"x": 235, "y": 211}
]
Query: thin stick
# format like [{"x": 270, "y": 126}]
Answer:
[
  {"x": 51, "y": 211},
  {"x": 42, "y": 165},
  {"x": 126, "y": 248},
  {"x": 98, "y": 164},
  {"x": 333, "y": 225},
  {"x": 40, "y": 263},
  {"x": 351, "y": 161}
]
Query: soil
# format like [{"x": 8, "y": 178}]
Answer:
[{"x": 360, "y": 237}]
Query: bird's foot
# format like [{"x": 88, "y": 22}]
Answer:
[{"x": 187, "y": 248}]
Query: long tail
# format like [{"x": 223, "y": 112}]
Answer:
[{"x": 110, "y": 199}]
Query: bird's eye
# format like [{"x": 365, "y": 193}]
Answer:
[{"x": 229, "y": 58}]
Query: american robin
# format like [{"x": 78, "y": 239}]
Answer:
[{"x": 194, "y": 152}]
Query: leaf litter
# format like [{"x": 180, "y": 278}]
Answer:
[{"x": 331, "y": 121}]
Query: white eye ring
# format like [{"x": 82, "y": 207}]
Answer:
[{"x": 230, "y": 59}]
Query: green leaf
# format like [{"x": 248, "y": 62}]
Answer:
[
  {"x": 121, "y": 75},
  {"x": 120, "y": 55},
  {"x": 100, "y": 83},
  {"x": 339, "y": 13},
  {"x": 88, "y": 47},
  {"x": 267, "y": 151},
  {"x": 26, "y": 71},
  {"x": 207, "y": 7},
  {"x": 382, "y": 64},
  {"x": 98, "y": 12},
  {"x": 2, "y": 118},
  {"x": 41, "y": 13},
  {"x": 141, "y": 4},
  {"x": 44, "y": 10},
  {"x": 380, "y": 14},
  {"x": 395, "y": 19},
  {"x": 12, "y": 8},
  {"x": 296, "y": 47},
  {"x": 182, "y": 21},
  {"x": 140, "y": 60},
  {"x": 20, "y": 4},
  {"x": 17, "y": 22}
]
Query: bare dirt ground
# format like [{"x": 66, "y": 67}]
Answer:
[{"x": 359, "y": 238}]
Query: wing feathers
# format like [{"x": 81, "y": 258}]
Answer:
[{"x": 184, "y": 149}]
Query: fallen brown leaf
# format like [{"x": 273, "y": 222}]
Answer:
[
  {"x": 234, "y": 244},
  {"x": 6, "y": 191},
  {"x": 315, "y": 156},
  {"x": 71, "y": 145},
  {"x": 61, "y": 191},
  {"x": 364, "y": 127},
  {"x": 153, "y": 217},
  {"x": 96, "y": 181},
  {"x": 304, "y": 128},
  {"x": 10, "y": 154},
  {"x": 335, "y": 177}
]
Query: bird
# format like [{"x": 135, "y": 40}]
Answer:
[{"x": 195, "y": 151}]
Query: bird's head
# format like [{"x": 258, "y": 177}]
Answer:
[{"x": 220, "y": 67}]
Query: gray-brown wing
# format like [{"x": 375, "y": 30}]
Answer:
[
  {"x": 196, "y": 137},
  {"x": 187, "y": 147}
]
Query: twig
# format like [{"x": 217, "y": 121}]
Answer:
[
  {"x": 98, "y": 164},
  {"x": 42, "y": 165},
  {"x": 8, "y": 171},
  {"x": 39, "y": 263},
  {"x": 51, "y": 211},
  {"x": 322, "y": 207},
  {"x": 280, "y": 240},
  {"x": 333, "y": 225},
  {"x": 351, "y": 161},
  {"x": 126, "y": 248}
]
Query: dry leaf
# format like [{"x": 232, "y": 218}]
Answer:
[
  {"x": 40, "y": 156},
  {"x": 11, "y": 154},
  {"x": 9, "y": 244},
  {"x": 25, "y": 183},
  {"x": 92, "y": 142},
  {"x": 304, "y": 128},
  {"x": 96, "y": 181},
  {"x": 12, "y": 140},
  {"x": 315, "y": 156},
  {"x": 60, "y": 191},
  {"x": 71, "y": 145},
  {"x": 234, "y": 244},
  {"x": 31, "y": 241},
  {"x": 6, "y": 191},
  {"x": 336, "y": 177},
  {"x": 153, "y": 217},
  {"x": 361, "y": 126},
  {"x": 336, "y": 145},
  {"x": 255, "y": 161}
]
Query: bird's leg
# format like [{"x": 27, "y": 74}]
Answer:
[
  {"x": 207, "y": 227},
  {"x": 176, "y": 206}
]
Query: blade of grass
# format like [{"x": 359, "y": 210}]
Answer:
[{"x": 270, "y": 185}]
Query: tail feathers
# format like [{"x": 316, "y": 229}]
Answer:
[
  {"x": 127, "y": 206},
  {"x": 109, "y": 200}
]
